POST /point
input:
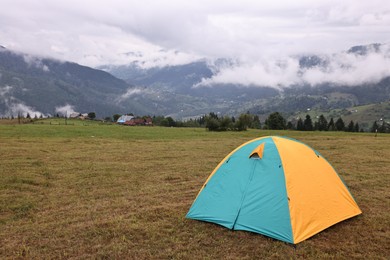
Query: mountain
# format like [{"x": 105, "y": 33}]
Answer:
[
  {"x": 182, "y": 97},
  {"x": 183, "y": 79},
  {"x": 36, "y": 84},
  {"x": 45, "y": 86},
  {"x": 234, "y": 99},
  {"x": 42, "y": 85}
]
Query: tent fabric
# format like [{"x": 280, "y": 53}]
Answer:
[
  {"x": 258, "y": 152},
  {"x": 288, "y": 191}
]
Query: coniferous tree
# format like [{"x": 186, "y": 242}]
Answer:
[
  {"x": 356, "y": 128},
  {"x": 382, "y": 128},
  {"x": 213, "y": 115},
  {"x": 316, "y": 127},
  {"x": 374, "y": 127},
  {"x": 351, "y": 127},
  {"x": 275, "y": 121},
  {"x": 331, "y": 125},
  {"x": 340, "y": 126},
  {"x": 322, "y": 123},
  {"x": 300, "y": 125},
  {"x": 308, "y": 124}
]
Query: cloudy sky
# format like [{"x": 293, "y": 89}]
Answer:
[{"x": 158, "y": 32}]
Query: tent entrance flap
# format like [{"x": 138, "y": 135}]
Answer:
[{"x": 257, "y": 153}]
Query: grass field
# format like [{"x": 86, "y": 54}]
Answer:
[{"x": 105, "y": 191}]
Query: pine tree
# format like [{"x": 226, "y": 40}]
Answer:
[
  {"x": 275, "y": 121},
  {"x": 308, "y": 124},
  {"x": 356, "y": 128},
  {"x": 300, "y": 125},
  {"x": 331, "y": 125},
  {"x": 322, "y": 123},
  {"x": 340, "y": 126},
  {"x": 350, "y": 127},
  {"x": 316, "y": 126},
  {"x": 382, "y": 128}
]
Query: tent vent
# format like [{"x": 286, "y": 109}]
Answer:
[{"x": 257, "y": 153}]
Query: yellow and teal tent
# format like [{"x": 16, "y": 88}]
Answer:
[{"x": 275, "y": 186}]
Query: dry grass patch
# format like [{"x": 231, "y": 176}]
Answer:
[{"x": 111, "y": 192}]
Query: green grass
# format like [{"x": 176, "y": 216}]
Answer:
[{"x": 106, "y": 191}]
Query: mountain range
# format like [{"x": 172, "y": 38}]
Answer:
[{"x": 47, "y": 86}]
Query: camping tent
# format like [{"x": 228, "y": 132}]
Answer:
[{"x": 275, "y": 186}]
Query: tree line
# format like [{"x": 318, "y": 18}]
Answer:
[{"x": 275, "y": 121}]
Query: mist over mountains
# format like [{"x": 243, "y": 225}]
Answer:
[{"x": 290, "y": 85}]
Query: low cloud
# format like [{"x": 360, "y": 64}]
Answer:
[
  {"x": 65, "y": 110},
  {"x": 5, "y": 90},
  {"x": 35, "y": 62},
  {"x": 157, "y": 58},
  {"x": 15, "y": 109},
  {"x": 24, "y": 109},
  {"x": 98, "y": 32},
  {"x": 277, "y": 74},
  {"x": 347, "y": 68},
  {"x": 13, "y": 106},
  {"x": 350, "y": 69},
  {"x": 130, "y": 93}
]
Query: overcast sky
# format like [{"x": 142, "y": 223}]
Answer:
[{"x": 93, "y": 32}]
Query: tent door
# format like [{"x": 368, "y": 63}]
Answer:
[{"x": 254, "y": 164}]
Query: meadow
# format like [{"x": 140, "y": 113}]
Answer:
[{"x": 106, "y": 191}]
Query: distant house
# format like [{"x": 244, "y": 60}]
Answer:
[
  {"x": 148, "y": 121},
  {"x": 78, "y": 115},
  {"x": 139, "y": 121},
  {"x": 124, "y": 118}
]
